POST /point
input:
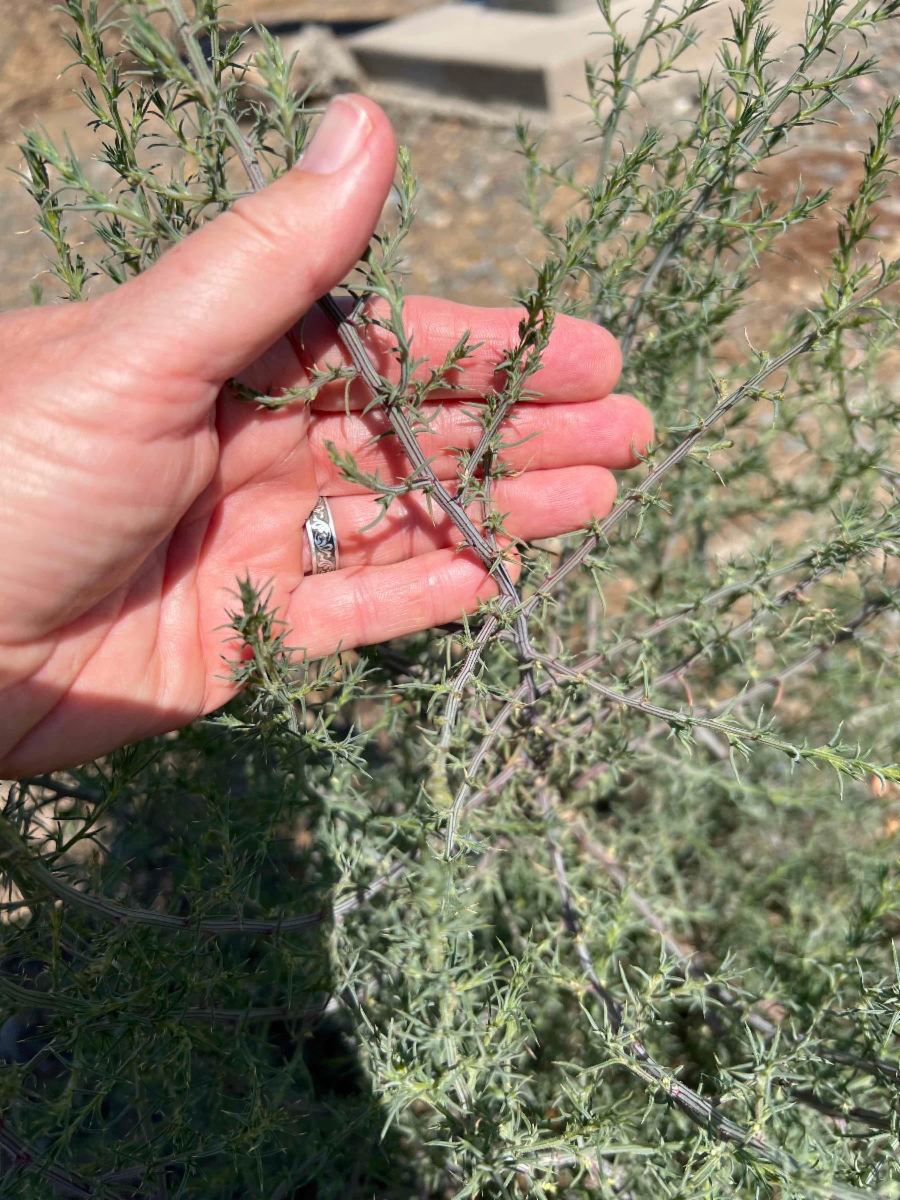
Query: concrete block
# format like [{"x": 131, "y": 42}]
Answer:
[
  {"x": 527, "y": 60},
  {"x": 242, "y": 13},
  {"x": 543, "y": 6}
]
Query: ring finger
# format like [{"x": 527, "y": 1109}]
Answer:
[{"x": 541, "y": 504}]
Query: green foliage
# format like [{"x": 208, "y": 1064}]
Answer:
[{"x": 567, "y": 900}]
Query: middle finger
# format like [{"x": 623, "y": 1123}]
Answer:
[{"x": 598, "y": 433}]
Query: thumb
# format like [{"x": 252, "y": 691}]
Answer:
[{"x": 217, "y": 300}]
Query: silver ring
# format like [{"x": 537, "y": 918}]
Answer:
[{"x": 322, "y": 538}]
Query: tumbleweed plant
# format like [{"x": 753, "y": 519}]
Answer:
[{"x": 594, "y": 892}]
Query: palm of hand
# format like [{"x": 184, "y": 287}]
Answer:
[{"x": 135, "y": 490}]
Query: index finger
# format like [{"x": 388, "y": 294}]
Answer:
[{"x": 582, "y": 360}]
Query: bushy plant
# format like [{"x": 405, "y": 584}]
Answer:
[{"x": 561, "y": 900}]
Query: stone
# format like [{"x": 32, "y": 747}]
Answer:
[
  {"x": 521, "y": 59},
  {"x": 322, "y": 65}
]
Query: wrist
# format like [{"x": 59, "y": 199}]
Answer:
[{"x": 27, "y": 696}]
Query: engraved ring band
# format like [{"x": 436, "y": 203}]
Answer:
[{"x": 322, "y": 538}]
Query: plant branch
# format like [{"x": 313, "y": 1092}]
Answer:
[
  {"x": 702, "y": 1112},
  {"x": 20, "y": 857}
]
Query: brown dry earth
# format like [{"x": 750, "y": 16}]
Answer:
[
  {"x": 32, "y": 57},
  {"x": 473, "y": 237}
]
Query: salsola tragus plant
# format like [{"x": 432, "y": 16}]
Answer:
[{"x": 594, "y": 893}]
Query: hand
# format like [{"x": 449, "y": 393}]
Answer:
[{"x": 135, "y": 489}]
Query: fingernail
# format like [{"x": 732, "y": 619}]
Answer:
[{"x": 344, "y": 131}]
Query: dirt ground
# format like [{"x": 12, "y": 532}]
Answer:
[{"x": 473, "y": 237}]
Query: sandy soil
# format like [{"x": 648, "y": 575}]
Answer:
[{"x": 32, "y": 57}]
